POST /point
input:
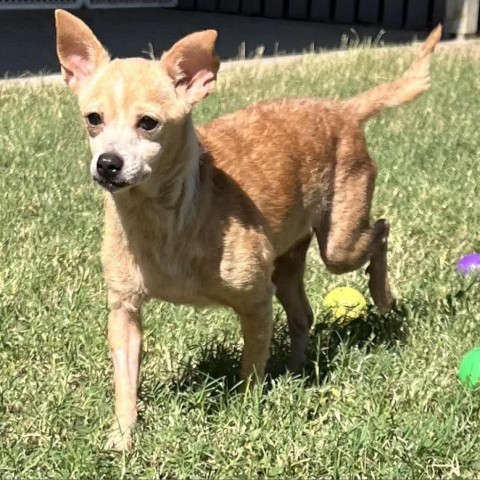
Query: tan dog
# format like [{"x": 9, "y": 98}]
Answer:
[{"x": 222, "y": 214}]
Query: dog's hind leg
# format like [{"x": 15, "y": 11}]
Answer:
[
  {"x": 378, "y": 283},
  {"x": 290, "y": 291},
  {"x": 347, "y": 240}
]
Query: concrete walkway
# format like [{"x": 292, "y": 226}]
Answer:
[{"x": 27, "y": 38}]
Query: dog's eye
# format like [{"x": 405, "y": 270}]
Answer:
[
  {"x": 94, "y": 119},
  {"x": 147, "y": 123}
]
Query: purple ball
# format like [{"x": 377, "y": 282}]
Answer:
[{"x": 469, "y": 264}]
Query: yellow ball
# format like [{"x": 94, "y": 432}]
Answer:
[{"x": 346, "y": 304}]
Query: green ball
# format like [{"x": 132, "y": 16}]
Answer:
[{"x": 469, "y": 372}]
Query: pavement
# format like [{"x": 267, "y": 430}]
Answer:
[{"x": 27, "y": 37}]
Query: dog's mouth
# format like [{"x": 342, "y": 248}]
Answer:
[
  {"x": 120, "y": 182},
  {"x": 110, "y": 185}
]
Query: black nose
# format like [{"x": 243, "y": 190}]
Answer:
[{"x": 109, "y": 165}]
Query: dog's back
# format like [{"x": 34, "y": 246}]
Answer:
[{"x": 282, "y": 154}]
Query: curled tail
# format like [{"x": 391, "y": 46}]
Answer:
[{"x": 413, "y": 83}]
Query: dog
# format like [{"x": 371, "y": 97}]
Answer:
[{"x": 222, "y": 214}]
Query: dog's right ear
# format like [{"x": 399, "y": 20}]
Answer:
[
  {"x": 193, "y": 65},
  {"x": 79, "y": 51}
]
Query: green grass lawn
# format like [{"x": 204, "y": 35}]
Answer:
[{"x": 379, "y": 398}]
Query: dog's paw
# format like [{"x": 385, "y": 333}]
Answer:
[
  {"x": 119, "y": 440},
  {"x": 386, "y": 304},
  {"x": 296, "y": 363}
]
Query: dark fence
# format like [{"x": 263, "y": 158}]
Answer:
[{"x": 409, "y": 14}]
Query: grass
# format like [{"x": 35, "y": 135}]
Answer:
[{"x": 379, "y": 398}]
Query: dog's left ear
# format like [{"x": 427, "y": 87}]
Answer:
[
  {"x": 193, "y": 65},
  {"x": 79, "y": 51}
]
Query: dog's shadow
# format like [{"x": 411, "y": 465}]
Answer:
[
  {"x": 214, "y": 371},
  {"x": 219, "y": 361}
]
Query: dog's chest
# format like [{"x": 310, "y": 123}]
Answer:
[
  {"x": 145, "y": 256},
  {"x": 169, "y": 272}
]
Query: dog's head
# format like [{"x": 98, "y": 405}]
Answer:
[{"x": 133, "y": 108}]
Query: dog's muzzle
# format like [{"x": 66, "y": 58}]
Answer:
[{"x": 109, "y": 171}]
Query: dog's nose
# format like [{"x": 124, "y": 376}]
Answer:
[{"x": 109, "y": 165}]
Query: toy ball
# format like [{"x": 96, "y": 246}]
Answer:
[
  {"x": 346, "y": 304},
  {"x": 469, "y": 264},
  {"x": 469, "y": 371}
]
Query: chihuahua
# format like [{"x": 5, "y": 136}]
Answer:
[{"x": 222, "y": 214}]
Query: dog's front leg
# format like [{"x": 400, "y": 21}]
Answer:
[
  {"x": 125, "y": 341},
  {"x": 257, "y": 322}
]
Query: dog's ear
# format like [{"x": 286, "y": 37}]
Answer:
[
  {"x": 193, "y": 65},
  {"x": 79, "y": 51}
]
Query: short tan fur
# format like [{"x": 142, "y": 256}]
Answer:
[{"x": 222, "y": 214}]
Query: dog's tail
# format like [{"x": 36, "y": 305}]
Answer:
[{"x": 413, "y": 83}]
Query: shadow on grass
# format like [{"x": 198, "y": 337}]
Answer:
[
  {"x": 326, "y": 339},
  {"x": 216, "y": 369},
  {"x": 219, "y": 361}
]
